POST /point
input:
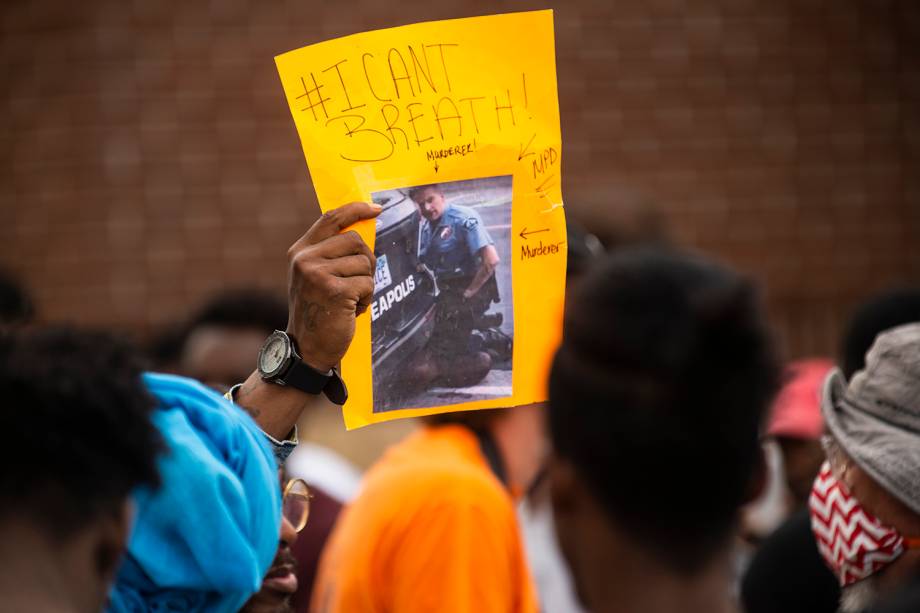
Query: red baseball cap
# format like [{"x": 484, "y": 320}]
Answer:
[{"x": 796, "y": 412}]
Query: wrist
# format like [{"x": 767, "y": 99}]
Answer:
[
  {"x": 275, "y": 408},
  {"x": 317, "y": 362},
  {"x": 281, "y": 362}
]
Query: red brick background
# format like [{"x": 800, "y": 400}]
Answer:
[{"x": 147, "y": 156}]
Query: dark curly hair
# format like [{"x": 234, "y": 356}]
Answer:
[
  {"x": 75, "y": 419},
  {"x": 16, "y": 306},
  {"x": 881, "y": 312},
  {"x": 657, "y": 394}
]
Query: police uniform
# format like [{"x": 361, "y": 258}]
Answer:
[{"x": 450, "y": 248}]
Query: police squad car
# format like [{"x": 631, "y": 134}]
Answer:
[{"x": 403, "y": 307}]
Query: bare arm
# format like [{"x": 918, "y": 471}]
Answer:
[
  {"x": 490, "y": 260},
  {"x": 330, "y": 283},
  {"x": 276, "y": 408}
]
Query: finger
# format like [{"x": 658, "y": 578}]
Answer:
[
  {"x": 344, "y": 245},
  {"x": 350, "y": 266},
  {"x": 334, "y": 221},
  {"x": 349, "y": 243},
  {"x": 362, "y": 289}
]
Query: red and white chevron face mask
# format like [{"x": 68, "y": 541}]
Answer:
[{"x": 853, "y": 542}]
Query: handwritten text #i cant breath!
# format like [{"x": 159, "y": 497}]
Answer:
[{"x": 374, "y": 100}]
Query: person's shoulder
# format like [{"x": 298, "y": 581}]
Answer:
[
  {"x": 458, "y": 496},
  {"x": 472, "y": 483},
  {"x": 463, "y": 211},
  {"x": 466, "y": 216},
  {"x": 436, "y": 475}
]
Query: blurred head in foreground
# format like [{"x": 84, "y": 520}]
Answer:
[
  {"x": 205, "y": 539},
  {"x": 78, "y": 439},
  {"x": 657, "y": 395}
]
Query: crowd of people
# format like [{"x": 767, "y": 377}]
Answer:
[{"x": 169, "y": 490}]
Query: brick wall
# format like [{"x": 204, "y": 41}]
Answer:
[{"x": 147, "y": 155}]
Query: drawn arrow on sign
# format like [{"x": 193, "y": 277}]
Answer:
[
  {"x": 524, "y": 233},
  {"x": 546, "y": 184},
  {"x": 522, "y": 152},
  {"x": 435, "y": 166}
]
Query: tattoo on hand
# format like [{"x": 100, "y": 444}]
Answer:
[{"x": 311, "y": 313}]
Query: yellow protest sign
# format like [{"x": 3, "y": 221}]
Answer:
[{"x": 453, "y": 127}]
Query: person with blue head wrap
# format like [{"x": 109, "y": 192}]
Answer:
[{"x": 204, "y": 540}]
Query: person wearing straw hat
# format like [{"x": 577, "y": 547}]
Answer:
[{"x": 865, "y": 503}]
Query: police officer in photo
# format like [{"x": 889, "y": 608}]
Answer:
[{"x": 455, "y": 245}]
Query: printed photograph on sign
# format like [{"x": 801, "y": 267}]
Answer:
[{"x": 442, "y": 316}]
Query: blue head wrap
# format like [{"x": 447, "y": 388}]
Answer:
[{"x": 204, "y": 540}]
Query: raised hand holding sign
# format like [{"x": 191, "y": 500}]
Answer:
[{"x": 452, "y": 128}]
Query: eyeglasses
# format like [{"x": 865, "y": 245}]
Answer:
[{"x": 295, "y": 505}]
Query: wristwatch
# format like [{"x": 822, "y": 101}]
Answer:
[{"x": 280, "y": 363}]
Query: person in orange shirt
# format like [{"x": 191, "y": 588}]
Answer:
[{"x": 434, "y": 527}]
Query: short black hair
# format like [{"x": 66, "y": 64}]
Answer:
[
  {"x": 78, "y": 437},
  {"x": 657, "y": 395},
  {"x": 16, "y": 306},
  {"x": 243, "y": 307},
  {"x": 882, "y": 312},
  {"x": 418, "y": 189}
]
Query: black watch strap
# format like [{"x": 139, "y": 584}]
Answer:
[{"x": 311, "y": 381}]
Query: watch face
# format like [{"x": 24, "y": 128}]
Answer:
[{"x": 274, "y": 353}]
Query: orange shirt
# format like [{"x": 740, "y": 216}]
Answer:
[{"x": 432, "y": 530}]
